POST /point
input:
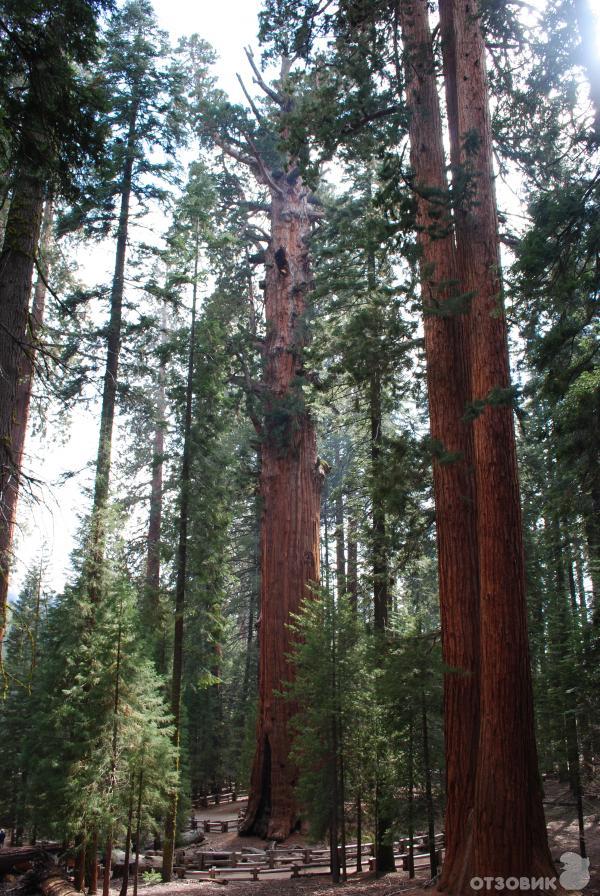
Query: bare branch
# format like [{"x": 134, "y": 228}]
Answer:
[
  {"x": 251, "y": 102},
  {"x": 381, "y": 113},
  {"x": 260, "y": 81},
  {"x": 52, "y": 292},
  {"x": 264, "y": 171},
  {"x": 258, "y": 206},
  {"x": 260, "y": 234},
  {"x": 230, "y": 150}
]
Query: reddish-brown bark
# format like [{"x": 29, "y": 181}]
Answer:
[
  {"x": 22, "y": 402},
  {"x": 447, "y": 351},
  {"x": 508, "y": 833},
  {"x": 16, "y": 273},
  {"x": 290, "y": 491},
  {"x": 54, "y": 883}
]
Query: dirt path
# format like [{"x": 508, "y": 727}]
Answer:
[{"x": 386, "y": 886}]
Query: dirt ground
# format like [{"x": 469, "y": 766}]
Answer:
[
  {"x": 386, "y": 886},
  {"x": 562, "y": 829}
]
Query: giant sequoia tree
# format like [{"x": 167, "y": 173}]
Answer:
[
  {"x": 447, "y": 354},
  {"x": 290, "y": 477},
  {"x": 508, "y": 825},
  {"x": 482, "y": 589}
]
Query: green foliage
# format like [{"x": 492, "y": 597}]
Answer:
[
  {"x": 99, "y": 716},
  {"x": 17, "y": 716},
  {"x": 333, "y": 689},
  {"x": 50, "y": 117}
]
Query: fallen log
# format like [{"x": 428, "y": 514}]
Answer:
[
  {"x": 46, "y": 878},
  {"x": 19, "y": 857},
  {"x": 54, "y": 883}
]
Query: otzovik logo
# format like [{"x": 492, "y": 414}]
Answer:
[{"x": 574, "y": 877}]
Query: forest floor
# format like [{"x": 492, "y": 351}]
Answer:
[{"x": 562, "y": 830}]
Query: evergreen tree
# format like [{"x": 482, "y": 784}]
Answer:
[
  {"x": 98, "y": 707},
  {"x": 17, "y": 718},
  {"x": 50, "y": 111}
]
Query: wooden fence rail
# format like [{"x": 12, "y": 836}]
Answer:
[{"x": 216, "y": 799}]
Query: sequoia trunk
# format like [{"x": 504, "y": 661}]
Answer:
[
  {"x": 10, "y": 493},
  {"x": 508, "y": 835},
  {"x": 290, "y": 485},
  {"x": 16, "y": 267},
  {"x": 447, "y": 352}
]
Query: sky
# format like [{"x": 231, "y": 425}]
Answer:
[
  {"x": 52, "y": 518},
  {"x": 228, "y": 25}
]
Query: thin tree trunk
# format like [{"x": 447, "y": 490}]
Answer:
[
  {"x": 79, "y": 876},
  {"x": 334, "y": 855},
  {"x": 335, "y": 735},
  {"x": 428, "y": 794},
  {"x": 125, "y": 883},
  {"x": 411, "y": 799},
  {"x": 447, "y": 353},
  {"x": 95, "y": 559},
  {"x": 358, "y": 832},
  {"x": 4, "y": 204},
  {"x": 575, "y": 775},
  {"x": 92, "y": 864},
  {"x": 22, "y": 401},
  {"x": 340, "y": 549},
  {"x": 379, "y": 556},
  {"x": 138, "y": 832},
  {"x": 290, "y": 484},
  {"x": 153, "y": 607},
  {"x": 107, "y": 864},
  {"x": 115, "y": 732},
  {"x": 16, "y": 272},
  {"x": 352, "y": 581},
  {"x": 381, "y": 596},
  {"x": 508, "y": 826},
  {"x": 181, "y": 581},
  {"x": 342, "y": 793}
]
